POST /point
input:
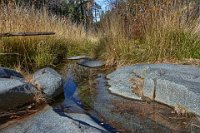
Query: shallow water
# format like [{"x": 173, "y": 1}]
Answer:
[
  {"x": 137, "y": 116},
  {"x": 133, "y": 116},
  {"x": 73, "y": 104}
]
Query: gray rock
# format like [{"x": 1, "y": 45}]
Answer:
[
  {"x": 14, "y": 93},
  {"x": 120, "y": 83},
  {"x": 8, "y": 73},
  {"x": 129, "y": 117},
  {"x": 50, "y": 82},
  {"x": 178, "y": 92},
  {"x": 174, "y": 85},
  {"x": 49, "y": 121},
  {"x": 90, "y": 63}
]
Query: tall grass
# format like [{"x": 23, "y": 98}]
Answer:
[
  {"x": 39, "y": 51},
  {"x": 153, "y": 32},
  {"x": 132, "y": 32}
]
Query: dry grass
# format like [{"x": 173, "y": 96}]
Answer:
[
  {"x": 160, "y": 32},
  {"x": 156, "y": 33},
  {"x": 39, "y": 51}
]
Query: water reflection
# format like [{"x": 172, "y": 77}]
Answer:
[
  {"x": 69, "y": 85},
  {"x": 71, "y": 107}
]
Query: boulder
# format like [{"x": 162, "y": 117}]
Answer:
[
  {"x": 49, "y": 81},
  {"x": 8, "y": 73},
  {"x": 174, "y": 85},
  {"x": 15, "y": 93}
]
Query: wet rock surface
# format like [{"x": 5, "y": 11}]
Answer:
[
  {"x": 49, "y": 81},
  {"x": 139, "y": 116},
  {"x": 174, "y": 85}
]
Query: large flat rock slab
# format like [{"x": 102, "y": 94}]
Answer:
[
  {"x": 174, "y": 85},
  {"x": 50, "y": 121},
  {"x": 14, "y": 93},
  {"x": 136, "y": 116}
]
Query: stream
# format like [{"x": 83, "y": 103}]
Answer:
[
  {"x": 119, "y": 114},
  {"x": 88, "y": 104}
]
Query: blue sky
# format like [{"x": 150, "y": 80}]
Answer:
[{"x": 103, "y": 4}]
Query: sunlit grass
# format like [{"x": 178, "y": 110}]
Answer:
[
  {"x": 162, "y": 32},
  {"x": 39, "y": 51}
]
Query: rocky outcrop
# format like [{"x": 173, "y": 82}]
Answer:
[
  {"x": 174, "y": 85},
  {"x": 49, "y": 81},
  {"x": 14, "y": 91}
]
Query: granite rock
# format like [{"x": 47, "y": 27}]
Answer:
[
  {"x": 174, "y": 85},
  {"x": 49, "y": 81},
  {"x": 14, "y": 93},
  {"x": 49, "y": 121},
  {"x": 9, "y": 73}
]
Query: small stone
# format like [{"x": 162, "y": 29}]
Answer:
[
  {"x": 90, "y": 63},
  {"x": 77, "y": 57}
]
